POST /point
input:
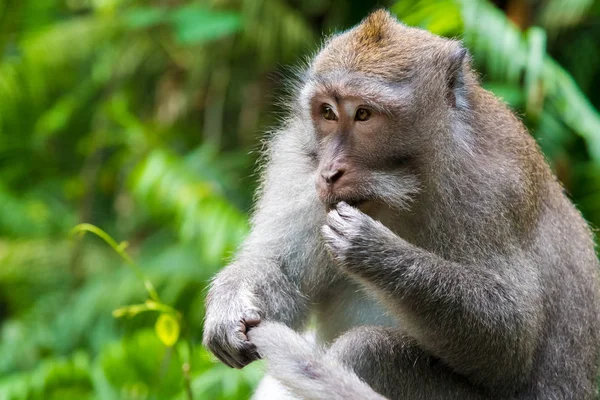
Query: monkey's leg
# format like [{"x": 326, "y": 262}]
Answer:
[
  {"x": 364, "y": 363},
  {"x": 393, "y": 365}
]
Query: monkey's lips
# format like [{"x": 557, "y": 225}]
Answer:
[
  {"x": 330, "y": 197},
  {"x": 356, "y": 203}
]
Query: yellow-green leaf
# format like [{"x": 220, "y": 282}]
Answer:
[
  {"x": 130, "y": 311},
  {"x": 167, "y": 329}
]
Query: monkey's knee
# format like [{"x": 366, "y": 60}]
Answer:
[
  {"x": 370, "y": 350},
  {"x": 395, "y": 366}
]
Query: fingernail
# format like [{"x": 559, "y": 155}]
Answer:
[
  {"x": 251, "y": 317},
  {"x": 241, "y": 336}
]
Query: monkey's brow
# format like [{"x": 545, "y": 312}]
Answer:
[{"x": 380, "y": 94}]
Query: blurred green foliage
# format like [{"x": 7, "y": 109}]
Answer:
[{"x": 145, "y": 119}]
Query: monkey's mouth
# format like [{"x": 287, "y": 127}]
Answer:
[{"x": 356, "y": 203}]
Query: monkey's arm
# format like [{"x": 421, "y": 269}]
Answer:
[
  {"x": 482, "y": 321},
  {"x": 264, "y": 280}
]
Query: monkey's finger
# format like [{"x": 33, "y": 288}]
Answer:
[
  {"x": 333, "y": 216},
  {"x": 225, "y": 358},
  {"x": 249, "y": 353},
  {"x": 237, "y": 364},
  {"x": 336, "y": 222},
  {"x": 346, "y": 210},
  {"x": 243, "y": 352},
  {"x": 251, "y": 318},
  {"x": 229, "y": 361},
  {"x": 342, "y": 205},
  {"x": 240, "y": 331},
  {"x": 235, "y": 358},
  {"x": 334, "y": 242},
  {"x": 330, "y": 234}
]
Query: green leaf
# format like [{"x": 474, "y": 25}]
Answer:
[
  {"x": 196, "y": 25},
  {"x": 144, "y": 17},
  {"x": 167, "y": 329},
  {"x": 141, "y": 367},
  {"x": 556, "y": 14},
  {"x": 536, "y": 40},
  {"x": 130, "y": 311},
  {"x": 510, "y": 94}
]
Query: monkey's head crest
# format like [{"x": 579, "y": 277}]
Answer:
[
  {"x": 379, "y": 46},
  {"x": 375, "y": 27}
]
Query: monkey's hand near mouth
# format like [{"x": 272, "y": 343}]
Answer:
[{"x": 359, "y": 243}]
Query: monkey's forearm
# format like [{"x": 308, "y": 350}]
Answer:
[
  {"x": 275, "y": 259},
  {"x": 467, "y": 315},
  {"x": 260, "y": 282},
  {"x": 253, "y": 288},
  {"x": 265, "y": 280}
]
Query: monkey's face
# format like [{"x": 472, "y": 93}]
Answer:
[{"x": 364, "y": 152}]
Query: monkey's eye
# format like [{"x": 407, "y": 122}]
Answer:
[
  {"x": 362, "y": 114},
  {"x": 328, "y": 114}
]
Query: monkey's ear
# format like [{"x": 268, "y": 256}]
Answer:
[{"x": 456, "y": 83}]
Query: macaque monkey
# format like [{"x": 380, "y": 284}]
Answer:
[{"x": 408, "y": 215}]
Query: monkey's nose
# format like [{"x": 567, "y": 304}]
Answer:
[{"x": 332, "y": 175}]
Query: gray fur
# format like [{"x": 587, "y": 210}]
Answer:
[
  {"x": 480, "y": 276},
  {"x": 306, "y": 370}
]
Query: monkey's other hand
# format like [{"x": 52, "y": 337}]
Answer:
[
  {"x": 225, "y": 331},
  {"x": 356, "y": 240}
]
